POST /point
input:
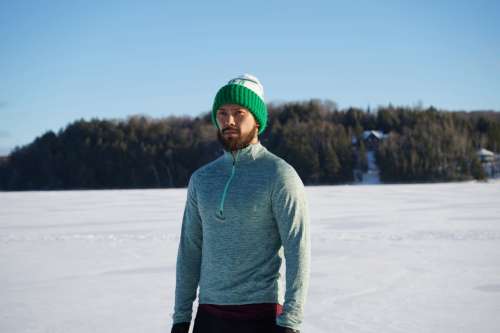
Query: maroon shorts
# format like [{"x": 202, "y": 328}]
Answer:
[{"x": 247, "y": 318}]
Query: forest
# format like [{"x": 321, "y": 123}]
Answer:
[{"x": 324, "y": 144}]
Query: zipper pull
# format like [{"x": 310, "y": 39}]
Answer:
[
  {"x": 235, "y": 158},
  {"x": 220, "y": 216}
]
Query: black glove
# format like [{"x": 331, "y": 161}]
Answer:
[
  {"x": 281, "y": 329},
  {"x": 180, "y": 328}
]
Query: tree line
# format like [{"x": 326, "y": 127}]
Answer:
[{"x": 315, "y": 137}]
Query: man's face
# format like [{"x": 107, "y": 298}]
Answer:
[{"x": 237, "y": 127}]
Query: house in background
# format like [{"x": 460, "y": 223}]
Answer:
[
  {"x": 373, "y": 138},
  {"x": 486, "y": 155},
  {"x": 490, "y": 162}
]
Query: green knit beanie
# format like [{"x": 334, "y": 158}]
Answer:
[{"x": 244, "y": 90}]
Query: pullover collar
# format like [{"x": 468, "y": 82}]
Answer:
[{"x": 247, "y": 154}]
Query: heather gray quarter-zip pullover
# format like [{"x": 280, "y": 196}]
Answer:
[{"x": 243, "y": 212}]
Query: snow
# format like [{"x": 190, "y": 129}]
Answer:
[
  {"x": 372, "y": 175},
  {"x": 485, "y": 152},
  {"x": 378, "y": 134},
  {"x": 386, "y": 258}
]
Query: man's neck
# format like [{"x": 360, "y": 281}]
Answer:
[{"x": 234, "y": 152}]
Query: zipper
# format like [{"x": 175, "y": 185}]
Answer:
[{"x": 220, "y": 213}]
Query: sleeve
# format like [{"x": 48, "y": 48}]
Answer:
[
  {"x": 290, "y": 210},
  {"x": 188, "y": 258}
]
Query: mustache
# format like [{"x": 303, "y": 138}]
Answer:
[{"x": 230, "y": 129}]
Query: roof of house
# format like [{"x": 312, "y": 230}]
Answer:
[
  {"x": 378, "y": 134},
  {"x": 485, "y": 152}
]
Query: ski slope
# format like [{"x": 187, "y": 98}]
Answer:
[{"x": 385, "y": 258}]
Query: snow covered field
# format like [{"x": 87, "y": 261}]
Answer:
[{"x": 386, "y": 258}]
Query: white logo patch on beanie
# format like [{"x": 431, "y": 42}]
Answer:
[{"x": 251, "y": 82}]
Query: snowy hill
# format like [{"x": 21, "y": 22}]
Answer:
[{"x": 387, "y": 258}]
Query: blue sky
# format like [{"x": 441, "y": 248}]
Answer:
[{"x": 65, "y": 60}]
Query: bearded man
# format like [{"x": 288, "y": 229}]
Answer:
[{"x": 245, "y": 212}]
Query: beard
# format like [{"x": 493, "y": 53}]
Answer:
[{"x": 239, "y": 142}]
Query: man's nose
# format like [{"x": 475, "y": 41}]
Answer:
[{"x": 230, "y": 120}]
